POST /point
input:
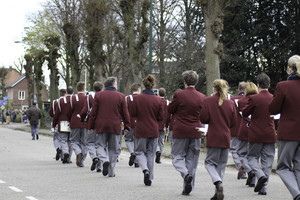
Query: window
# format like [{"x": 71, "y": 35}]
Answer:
[{"x": 21, "y": 95}]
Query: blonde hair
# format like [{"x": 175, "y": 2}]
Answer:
[
  {"x": 294, "y": 63},
  {"x": 251, "y": 88},
  {"x": 221, "y": 86}
]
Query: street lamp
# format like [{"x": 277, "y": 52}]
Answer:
[{"x": 150, "y": 39}]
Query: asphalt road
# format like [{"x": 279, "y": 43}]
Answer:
[{"x": 28, "y": 170}]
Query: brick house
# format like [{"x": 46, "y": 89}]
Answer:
[{"x": 17, "y": 91}]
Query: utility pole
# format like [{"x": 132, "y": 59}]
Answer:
[{"x": 150, "y": 39}]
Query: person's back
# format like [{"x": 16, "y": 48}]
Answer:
[{"x": 34, "y": 114}]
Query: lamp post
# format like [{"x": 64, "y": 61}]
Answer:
[{"x": 150, "y": 39}]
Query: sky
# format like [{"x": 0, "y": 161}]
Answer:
[{"x": 13, "y": 19}]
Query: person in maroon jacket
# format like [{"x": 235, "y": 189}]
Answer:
[
  {"x": 220, "y": 114},
  {"x": 186, "y": 106},
  {"x": 78, "y": 128},
  {"x": 109, "y": 109},
  {"x": 53, "y": 106},
  {"x": 261, "y": 133},
  {"x": 286, "y": 101},
  {"x": 161, "y": 125},
  {"x": 61, "y": 118},
  {"x": 243, "y": 147},
  {"x": 91, "y": 136},
  {"x": 129, "y": 136},
  {"x": 148, "y": 111},
  {"x": 234, "y": 141}
]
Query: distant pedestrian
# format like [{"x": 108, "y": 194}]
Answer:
[
  {"x": 34, "y": 115},
  {"x": 8, "y": 113}
]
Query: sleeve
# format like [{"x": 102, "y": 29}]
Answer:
[
  {"x": 204, "y": 113},
  {"x": 84, "y": 111},
  {"x": 93, "y": 114},
  {"x": 234, "y": 116},
  {"x": 278, "y": 99},
  {"x": 51, "y": 111},
  {"x": 173, "y": 105},
  {"x": 125, "y": 115},
  {"x": 249, "y": 108}
]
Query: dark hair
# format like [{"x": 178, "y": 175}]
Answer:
[
  {"x": 263, "y": 81},
  {"x": 98, "y": 86},
  {"x": 190, "y": 77},
  {"x": 70, "y": 90},
  {"x": 110, "y": 81},
  {"x": 161, "y": 92},
  {"x": 34, "y": 103},
  {"x": 62, "y": 92},
  {"x": 135, "y": 87},
  {"x": 242, "y": 86},
  {"x": 80, "y": 86},
  {"x": 149, "y": 82}
]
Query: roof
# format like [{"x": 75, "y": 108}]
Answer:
[{"x": 15, "y": 82}]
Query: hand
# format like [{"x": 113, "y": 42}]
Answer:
[
  {"x": 126, "y": 131},
  {"x": 91, "y": 130}
]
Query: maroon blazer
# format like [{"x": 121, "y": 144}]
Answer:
[
  {"x": 220, "y": 120},
  {"x": 186, "y": 106},
  {"x": 286, "y": 101},
  {"x": 162, "y": 123},
  {"x": 109, "y": 109},
  {"x": 52, "y": 108},
  {"x": 261, "y": 129},
  {"x": 84, "y": 110},
  {"x": 63, "y": 114},
  {"x": 129, "y": 105},
  {"x": 235, "y": 129},
  {"x": 243, "y": 126},
  {"x": 75, "y": 120},
  {"x": 148, "y": 110}
]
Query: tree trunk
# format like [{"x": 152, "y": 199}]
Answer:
[
  {"x": 214, "y": 19},
  {"x": 29, "y": 78}
]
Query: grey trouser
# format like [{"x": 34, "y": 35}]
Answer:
[
  {"x": 56, "y": 140},
  {"x": 242, "y": 152},
  {"x": 170, "y": 137},
  {"x": 215, "y": 162},
  {"x": 108, "y": 148},
  {"x": 129, "y": 139},
  {"x": 185, "y": 153},
  {"x": 78, "y": 141},
  {"x": 91, "y": 138},
  {"x": 161, "y": 138},
  {"x": 266, "y": 153},
  {"x": 234, "y": 144},
  {"x": 64, "y": 143},
  {"x": 288, "y": 166},
  {"x": 145, "y": 152}
]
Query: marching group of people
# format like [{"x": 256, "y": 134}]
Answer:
[{"x": 243, "y": 125}]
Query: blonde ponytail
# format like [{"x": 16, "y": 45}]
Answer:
[{"x": 221, "y": 86}]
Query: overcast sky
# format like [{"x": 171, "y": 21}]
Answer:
[{"x": 13, "y": 19}]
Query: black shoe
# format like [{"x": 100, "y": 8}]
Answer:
[
  {"x": 95, "y": 162},
  {"x": 58, "y": 152},
  {"x": 214, "y": 197},
  {"x": 37, "y": 136},
  {"x": 188, "y": 184},
  {"x": 220, "y": 193},
  {"x": 78, "y": 159},
  {"x": 157, "y": 159},
  {"x": 99, "y": 170},
  {"x": 251, "y": 175},
  {"x": 136, "y": 165},
  {"x": 297, "y": 197},
  {"x": 131, "y": 159},
  {"x": 33, "y": 138},
  {"x": 66, "y": 156},
  {"x": 262, "y": 193},
  {"x": 147, "y": 180},
  {"x": 185, "y": 194},
  {"x": 252, "y": 185},
  {"x": 105, "y": 168},
  {"x": 260, "y": 183}
]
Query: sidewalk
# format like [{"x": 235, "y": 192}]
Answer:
[{"x": 166, "y": 151}]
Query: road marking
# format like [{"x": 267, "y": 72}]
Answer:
[
  {"x": 2, "y": 181},
  {"x": 31, "y": 198},
  {"x": 15, "y": 189}
]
